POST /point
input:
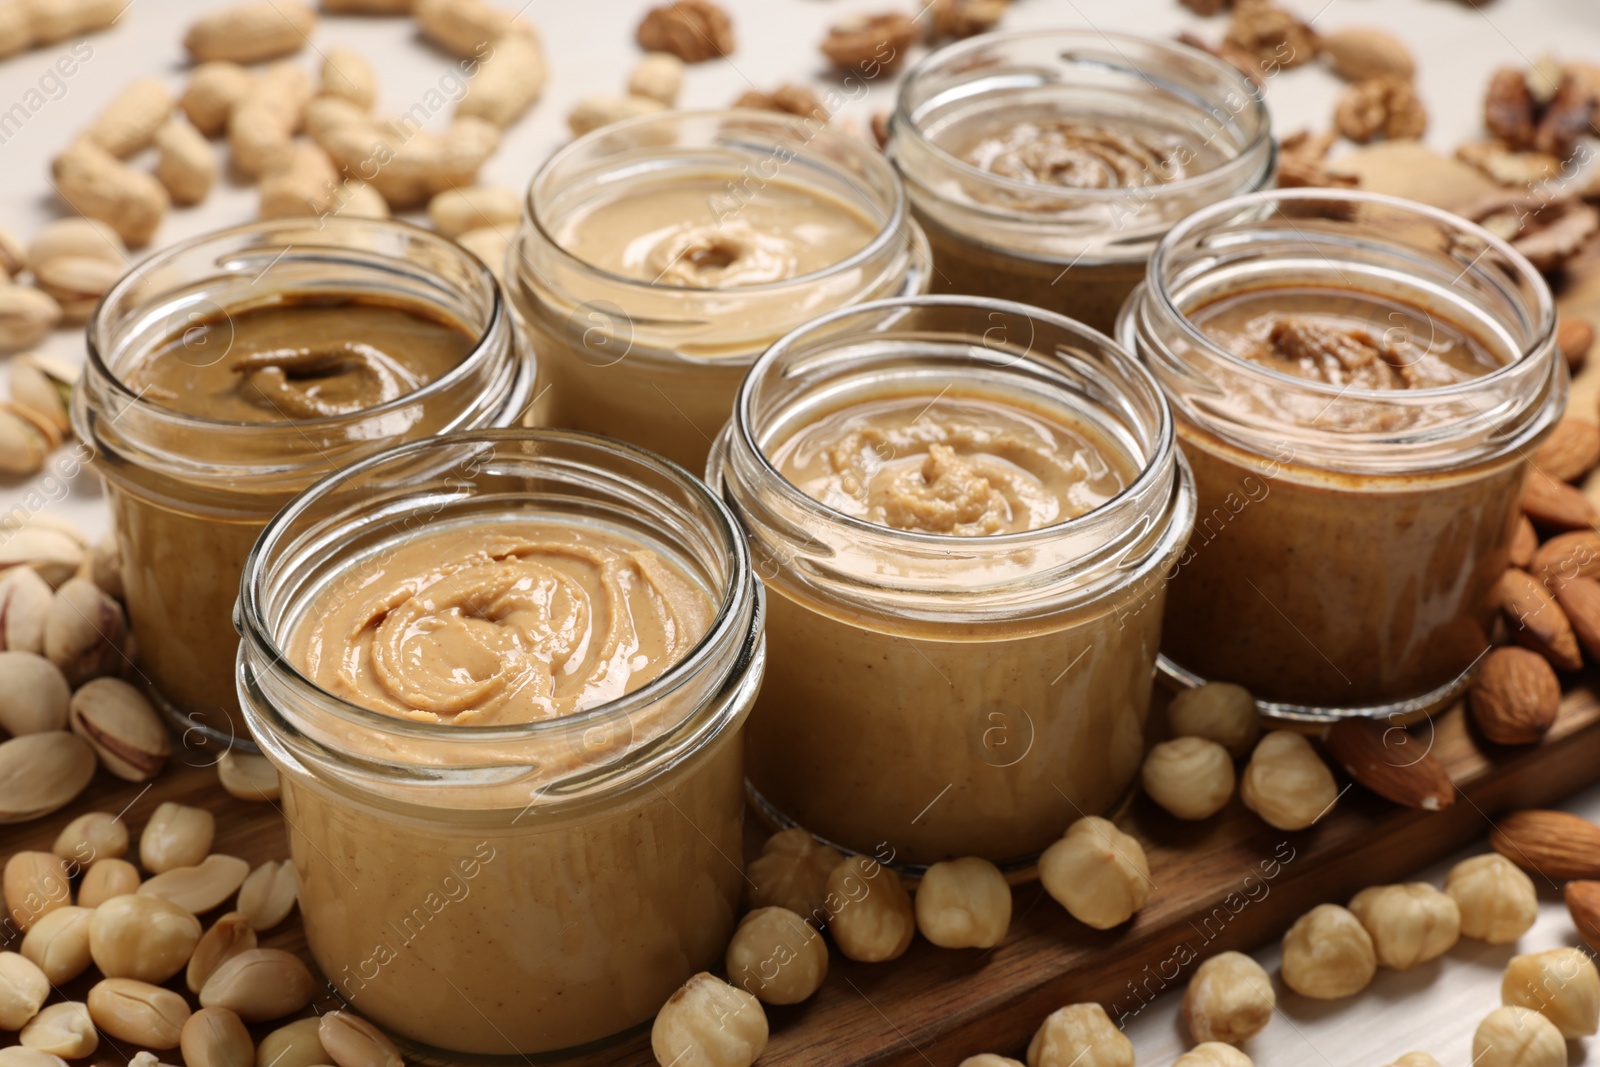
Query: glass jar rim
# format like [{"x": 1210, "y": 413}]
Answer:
[
  {"x": 902, "y": 117},
  {"x": 893, "y": 224},
  {"x": 1241, "y": 206},
  {"x": 497, "y": 319},
  {"x": 1163, "y": 436},
  {"x": 256, "y": 632}
]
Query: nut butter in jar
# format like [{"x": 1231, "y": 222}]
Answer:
[
  {"x": 1044, "y": 166},
  {"x": 660, "y": 256},
  {"x": 1358, "y": 383},
  {"x": 232, "y": 371},
  {"x": 964, "y": 511},
  {"x": 503, "y": 677}
]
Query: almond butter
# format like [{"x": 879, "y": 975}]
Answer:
[
  {"x": 1515, "y": 696},
  {"x": 1555, "y": 505},
  {"x": 1571, "y": 450},
  {"x": 1583, "y": 901},
  {"x": 1390, "y": 762},
  {"x": 1553, "y": 844},
  {"x": 1568, "y": 555},
  {"x": 1579, "y": 598},
  {"x": 1536, "y": 621},
  {"x": 1574, "y": 337},
  {"x": 1524, "y": 544}
]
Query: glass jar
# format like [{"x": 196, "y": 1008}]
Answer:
[
  {"x": 932, "y": 695},
  {"x": 511, "y": 889},
  {"x": 1349, "y": 538},
  {"x": 189, "y": 494},
  {"x": 657, "y": 364},
  {"x": 1194, "y": 129}
]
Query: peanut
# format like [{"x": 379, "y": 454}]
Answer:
[
  {"x": 16, "y": 28},
  {"x": 176, "y": 836},
  {"x": 105, "y": 879},
  {"x": 593, "y": 112},
  {"x": 462, "y": 27},
  {"x": 23, "y": 990},
  {"x": 228, "y": 936},
  {"x": 303, "y": 183},
  {"x": 35, "y": 883},
  {"x": 138, "y": 1012},
  {"x": 455, "y": 211},
  {"x": 259, "y": 984},
  {"x": 268, "y": 895},
  {"x": 295, "y": 1045},
  {"x": 61, "y": 1030},
  {"x": 129, "y": 123},
  {"x": 508, "y": 81},
  {"x": 94, "y": 183},
  {"x": 405, "y": 171},
  {"x": 202, "y": 887},
  {"x": 348, "y": 76},
  {"x": 261, "y": 126},
  {"x": 59, "y": 944},
  {"x": 185, "y": 164},
  {"x": 490, "y": 245},
  {"x": 213, "y": 91},
  {"x": 367, "y": 7},
  {"x": 216, "y": 1037},
  {"x": 351, "y": 1041},
  {"x": 142, "y": 937},
  {"x": 91, "y": 836},
  {"x": 57, "y": 20},
  {"x": 658, "y": 76},
  {"x": 251, "y": 32},
  {"x": 26, "y": 315},
  {"x": 358, "y": 200},
  {"x": 254, "y": 778}
]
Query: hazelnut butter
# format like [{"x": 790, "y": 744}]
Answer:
[
  {"x": 662, "y": 255},
  {"x": 214, "y": 395},
  {"x": 1359, "y": 434},
  {"x": 962, "y": 540},
  {"x": 506, "y": 714},
  {"x": 1044, "y": 166}
]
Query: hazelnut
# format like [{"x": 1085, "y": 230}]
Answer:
[
  {"x": 709, "y": 1023},
  {"x": 1561, "y": 984},
  {"x": 1328, "y": 954},
  {"x": 777, "y": 957},
  {"x": 792, "y": 872},
  {"x": 1191, "y": 777},
  {"x": 1409, "y": 924},
  {"x": 1230, "y": 998},
  {"x": 1079, "y": 1035},
  {"x": 1097, "y": 872},
  {"x": 1286, "y": 783},
  {"x": 1518, "y": 1037},
  {"x": 872, "y": 920},
  {"x": 1415, "y": 1059},
  {"x": 1213, "y": 1054},
  {"x": 964, "y": 903},
  {"x": 1497, "y": 901},
  {"x": 989, "y": 1059},
  {"x": 1217, "y": 711}
]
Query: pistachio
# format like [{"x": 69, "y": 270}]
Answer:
[
  {"x": 76, "y": 282},
  {"x": 176, "y": 836},
  {"x": 261, "y": 984},
  {"x": 55, "y": 550},
  {"x": 22, "y": 447},
  {"x": 105, "y": 879},
  {"x": 91, "y": 836},
  {"x": 138, "y": 1012},
  {"x": 216, "y": 1037},
  {"x": 268, "y": 894},
  {"x": 78, "y": 237},
  {"x": 200, "y": 888},
  {"x": 246, "y": 777},
  {"x": 124, "y": 729},
  {"x": 105, "y": 565},
  {"x": 351, "y": 1041},
  {"x": 23, "y": 990},
  {"x": 36, "y": 386},
  {"x": 24, "y": 602},
  {"x": 228, "y": 936},
  {"x": 13, "y": 254},
  {"x": 295, "y": 1045},
  {"x": 59, "y": 944},
  {"x": 40, "y": 773},
  {"x": 33, "y": 694},
  {"x": 36, "y": 883},
  {"x": 142, "y": 937},
  {"x": 84, "y": 632},
  {"x": 62, "y": 1030},
  {"x": 26, "y": 315}
]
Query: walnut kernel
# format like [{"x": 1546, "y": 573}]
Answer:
[
  {"x": 870, "y": 44},
  {"x": 1385, "y": 107},
  {"x": 692, "y": 30},
  {"x": 1275, "y": 37}
]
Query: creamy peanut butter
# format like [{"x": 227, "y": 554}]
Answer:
[
  {"x": 969, "y": 465},
  {"x": 509, "y": 622}
]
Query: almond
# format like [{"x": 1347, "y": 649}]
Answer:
[
  {"x": 1360, "y": 52},
  {"x": 1515, "y": 696},
  {"x": 1574, "y": 337},
  {"x": 1553, "y": 844},
  {"x": 1571, "y": 450},
  {"x": 1390, "y": 762},
  {"x": 1555, "y": 505},
  {"x": 1579, "y": 598},
  {"x": 1536, "y": 621},
  {"x": 1524, "y": 544},
  {"x": 1583, "y": 901},
  {"x": 1568, "y": 555}
]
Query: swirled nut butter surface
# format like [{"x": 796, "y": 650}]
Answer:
[
  {"x": 968, "y": 465},
  {"x": 1080, "y": 155},
  {"x": 712, "y": 232},
  {"x": 301, "y": 357},
  {"x": 506, "y": 622}
]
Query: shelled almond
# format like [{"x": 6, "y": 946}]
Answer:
[{"x": 1553, "y": 844}]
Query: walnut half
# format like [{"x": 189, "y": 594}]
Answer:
[{"x": 692, "y": 30}]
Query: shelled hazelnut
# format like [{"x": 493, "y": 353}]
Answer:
[
  {"x": 964, "y": 903},
  {"x": 1518, "y": 1037},
  {"x": 873, "y": 921},
  {"x": 1213, "y": 1054},
  {"x": 792, "y": 872},
  {"x": 1218, "y": 711},
  {"x": 1328, "y": 954},
  {"x": 710, "y": 1023},
  {"x": 1230, "y": 998},
  {"x": 1190, "y": 777},
  {"x": 1097, "y": 872},
  {"x": 1079, "y": 1035},
  {"x": 1561, "y": 984},
  {"x": 1409, "y": 924},
  {"x": 1497, "y": 902},
  {"x": 777, "y": 957},
  {"x": 1286, "y": 782}
]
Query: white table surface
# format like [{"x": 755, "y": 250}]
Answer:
[{"x": 590, "y": 49}]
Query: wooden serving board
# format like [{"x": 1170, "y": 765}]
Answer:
[{"x": 1231, "y": 882}]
